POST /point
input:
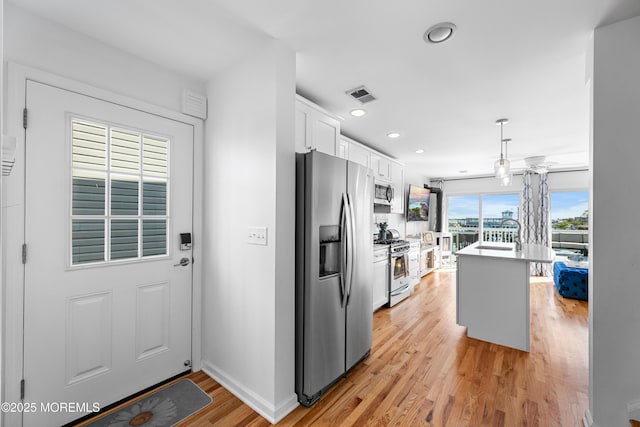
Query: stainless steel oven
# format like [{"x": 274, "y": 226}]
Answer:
[
  {"x": 400, "y": 280},
  {"x": 383, "y": 193}
]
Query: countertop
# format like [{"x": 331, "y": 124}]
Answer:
[{"x": 530, "y": 252}]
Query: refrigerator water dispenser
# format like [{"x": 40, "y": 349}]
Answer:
[{"x": 329, "y": 250}]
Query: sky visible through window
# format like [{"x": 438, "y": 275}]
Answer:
[
  {"x": 463, "y": 206},
  {"x": 569, "y": 204},
  {"x": 492, "y": 205},
  {"x": 564, "y": 204}
]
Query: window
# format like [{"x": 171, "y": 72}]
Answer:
[
  {"x": 463, "y": 214},
  {"x": 570, "y": 210},
  {"x": 119, "y": 197},
  {"x": 495, "y": 209},
  {"x": 472, "y": 215},
  {"x": 570, "y": 222}
]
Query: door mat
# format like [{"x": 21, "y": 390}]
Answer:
[{"x": 164, "y": 408}]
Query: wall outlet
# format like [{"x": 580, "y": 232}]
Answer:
[{"x": 257, "y": 236}]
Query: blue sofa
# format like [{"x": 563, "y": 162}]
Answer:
[{"x": 571, "y": 282}]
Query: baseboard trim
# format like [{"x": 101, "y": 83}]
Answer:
[
  {"x": 587, "y": 420},
  {"x": 272, "y": 413},
  {"x": 633, "y": 410}
]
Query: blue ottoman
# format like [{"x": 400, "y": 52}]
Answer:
[{"x": 571, "y": 282}]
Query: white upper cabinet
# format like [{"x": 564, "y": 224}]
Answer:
[
  {"x": 316, "y": 128},
  {"x": 397, "y": 179},
  {"x": 355, "y": 152},
  {"x": 381, "y": 167},
  {"x": 343, "y": 149},
  {"x": 303, "y": 127}
]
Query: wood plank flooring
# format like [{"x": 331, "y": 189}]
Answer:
[{"x": 423, "y": 370}]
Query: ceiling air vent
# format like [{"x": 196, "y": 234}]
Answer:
[
  {"x": 361, "y": 94},
  {"x": 194, "y": 104}
]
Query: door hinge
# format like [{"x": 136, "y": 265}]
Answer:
[
  {"x": 24, "y": 253},
  {"x": 22, "y": 389},
  {"x": 24, "y": 117}
]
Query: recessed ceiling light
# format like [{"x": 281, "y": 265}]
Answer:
[
  {"x": 439, "y": 33},
  {"x": 393, "y": 135},
  {"x": 358, "y": 112},
  {"x": 420, "y": 151}
]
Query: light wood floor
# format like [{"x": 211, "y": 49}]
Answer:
[{"x": 423, "y": 370}]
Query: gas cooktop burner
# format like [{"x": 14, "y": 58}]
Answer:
[{"x": 389, "y": 242}]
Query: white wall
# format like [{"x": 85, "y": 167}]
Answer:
[
  {"x": 39, "y": 43},
  {"x": 614, "y": 296},
  {"x": 35, "y": 42},
  {"x": 2, "y": 223},
  {"x": 248, "y": 323},
  {"x": 480, "y": 185},
  {"x": 569, "y": 181}
]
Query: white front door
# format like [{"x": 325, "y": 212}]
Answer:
[{"x": 107, "y": 311}]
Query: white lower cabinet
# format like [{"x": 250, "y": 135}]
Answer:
[
  {"x": 414, "y": 263},
  {"x": 380, "y": 278},
  {"x": 429, "y": 259}
]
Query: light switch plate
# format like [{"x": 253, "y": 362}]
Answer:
[{"x": 257, "y": 236}]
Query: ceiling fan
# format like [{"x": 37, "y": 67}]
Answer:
[{"x": 538, "y": 164}]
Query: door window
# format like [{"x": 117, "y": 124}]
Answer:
[{"x": 119, "y": 194}]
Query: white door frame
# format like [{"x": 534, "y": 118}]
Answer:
[{"x": 12, "y": 278}]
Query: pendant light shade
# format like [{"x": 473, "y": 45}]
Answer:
[
  {"x": 502, "y": 166},
  {"x": 506, "y": 180},
  {"x": 507, "y": 176}
]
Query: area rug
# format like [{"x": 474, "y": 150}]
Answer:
[{"x": 163, "y": 408}]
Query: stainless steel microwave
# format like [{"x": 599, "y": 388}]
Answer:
[{"x": 383, "y": 193}]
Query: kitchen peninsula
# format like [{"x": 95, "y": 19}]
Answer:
[{"x": 492, "y": 297}]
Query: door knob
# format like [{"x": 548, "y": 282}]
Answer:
[{"x": 183, "y": 262}]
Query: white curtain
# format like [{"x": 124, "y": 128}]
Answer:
[{"x": 543, "y": 225}]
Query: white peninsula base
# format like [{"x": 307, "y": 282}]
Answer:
[{"x": 493, "y": 292}]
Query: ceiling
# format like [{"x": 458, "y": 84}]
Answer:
[{"x": 525, "y": 61}]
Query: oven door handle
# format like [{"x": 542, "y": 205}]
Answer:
[{"x": 399, "y": 290}]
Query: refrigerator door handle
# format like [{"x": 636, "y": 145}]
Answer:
[
  {"x": 351, "y": 245},
  {"x": 344, "y": 233}
]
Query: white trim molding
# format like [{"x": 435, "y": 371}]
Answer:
[
  {"x": 587, "y": 420},
  {"x": 633, "y": 409},
  {"x": 12, "y": 279},
  {"x": 272, "y": 413}
]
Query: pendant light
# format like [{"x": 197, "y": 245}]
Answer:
[
  {"x": 507, "y": 177},
  {"x": 502, "y": 165}
]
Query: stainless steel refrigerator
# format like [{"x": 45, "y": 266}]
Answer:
[{"x": 334, "y": 260}]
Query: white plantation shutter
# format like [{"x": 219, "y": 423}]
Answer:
[
  {"x": 119, "y": 193},
  {"x": 125, "y": 151},
  {"x": 155, "y": 154},
  {"x": 89, "y": 146}
]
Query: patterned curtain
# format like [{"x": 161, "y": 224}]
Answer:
[
  {"x": 527, "y": 220},
  {"x": 544, "y": 224}
]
